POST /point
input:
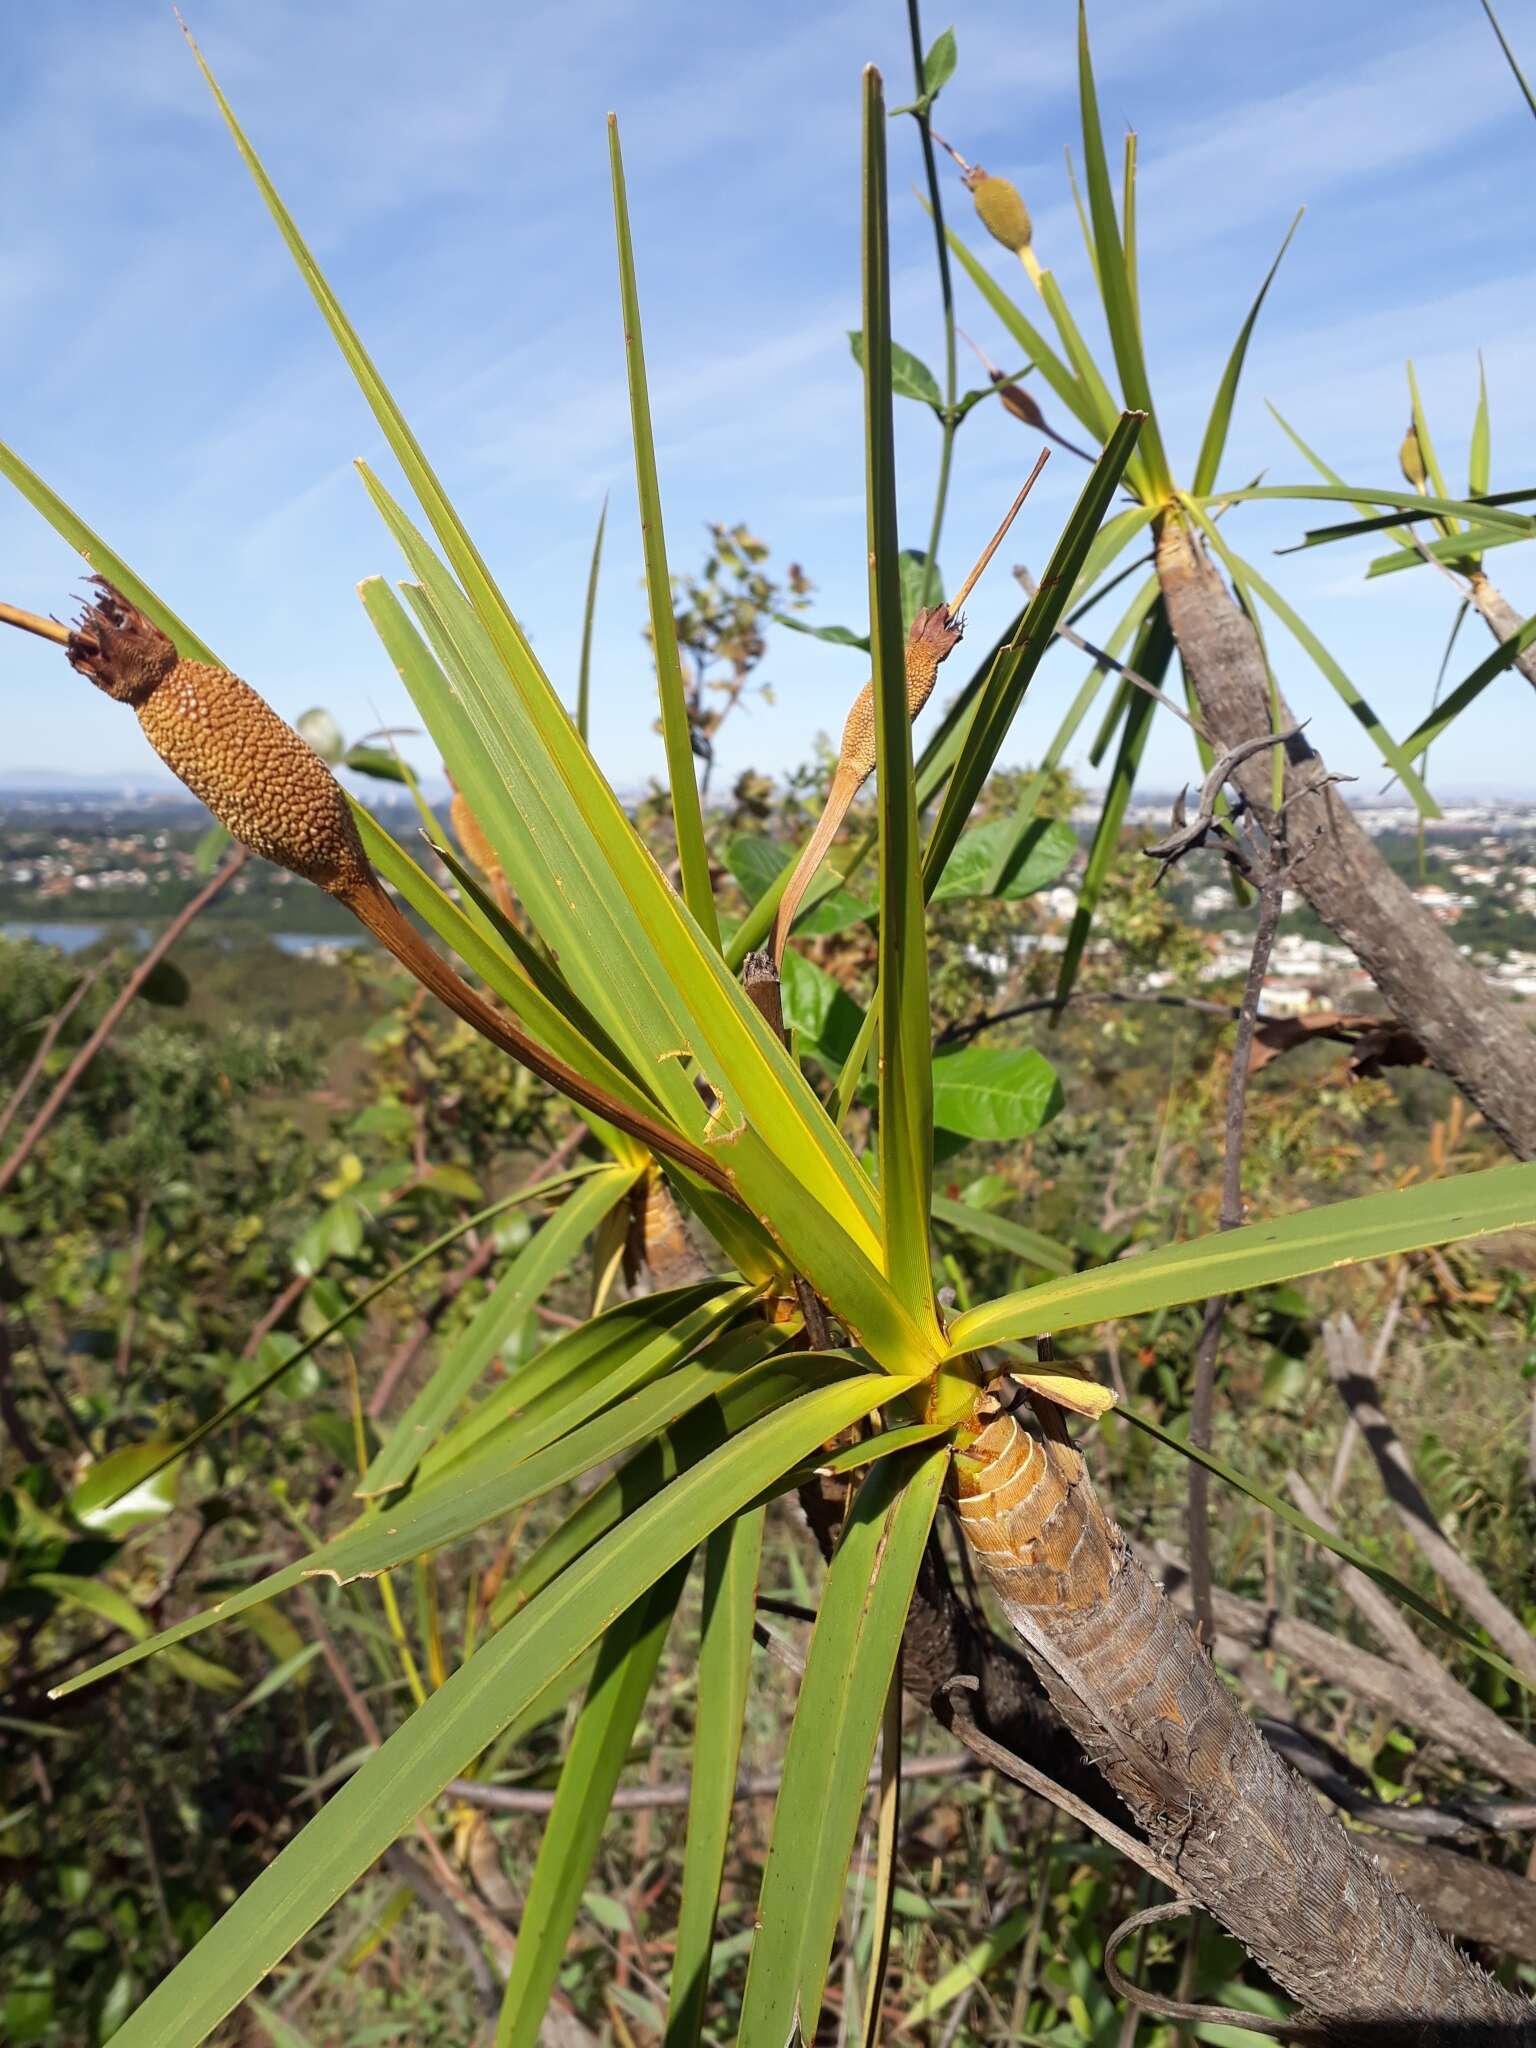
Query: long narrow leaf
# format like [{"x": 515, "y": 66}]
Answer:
[
  {"x": 1503, "y": 657},
  {"x": 1261, "y": 1254},
  {"x": 626, "y": 1665},
  {"x": 461, "y": 1717},
  {"x": 687, "y": 813},
  {"x": 1150, "y": 658},
  {"x": 486, "y": 1487},
  {"x": 848, "y": 1670},
  {"x": 998, "y": 702},
  {"x": 550, "y": 1251},
  {"x": 1114, "y": 279},
  {"x": 588, "y": 617},
  {"x": 731, "y": 1560},
  {"x": 1214, "y": 444},
  {"x": 906, "y": 1081}
]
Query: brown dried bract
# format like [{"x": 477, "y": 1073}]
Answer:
[{"x": 121, "y": 651}]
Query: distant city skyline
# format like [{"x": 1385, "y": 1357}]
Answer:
[{"x": 168, "y": 374}]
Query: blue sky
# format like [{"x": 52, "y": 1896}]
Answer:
[{"x": 164, "y": 368}]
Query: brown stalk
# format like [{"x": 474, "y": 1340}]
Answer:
[
  {"x": 1466, "y": 1027},
  {"x": 279, "y": 799},
  {"x": 1501, "y": 618}
]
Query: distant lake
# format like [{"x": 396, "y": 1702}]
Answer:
[{"x": 72, "y": 938}]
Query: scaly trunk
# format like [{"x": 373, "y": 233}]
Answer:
[
  {"x": 1470, "y": 1032},
  {"x": 1253, "y": 1844},
  {"x": 1502, "y": 620}
]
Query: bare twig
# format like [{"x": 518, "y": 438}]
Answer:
[
  {"x": 1346, "y": 1364},
  {"x": 652, "y": 1798},
  {"x": 1161, "y": 999},
  {"x": 66, "y": 1083},
  {"x": 45, "y": 1045}
]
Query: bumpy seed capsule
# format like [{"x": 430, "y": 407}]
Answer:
[
  {"x": 254, "y": 773},
  {"x": 1411, "y": 458},
  {"x": 1003, "y": 213},
  {"x": 276, "y": 796}
]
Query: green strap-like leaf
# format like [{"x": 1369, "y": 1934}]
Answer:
[
  {"x": 588, "y": 617},
  {"x": 1006, "y": 1235},
  {"x": 905, "y": 1085},
  {"x": 550, "y": 1252},
  {"x": 687, "y": 812},
  {"x": 483, "y": 1488},
  {"x": 1114, "y": 278},
  {"x": 1213, "y": 445},
  {"x": 848, "y": 1670},
  {"x": 1450, "y": 707},
  {"x": 626, "y": 1665},
  {"x": 1150, "y": 657},
  {"x": 731, "y": 1560},
  {"x": 440, "y": 1740},
  {"x": 998, "y": 701},
  {"x": 1260, "y": 1254}
]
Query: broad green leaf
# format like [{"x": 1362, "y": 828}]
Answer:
[
  {"x": 910, "y": 377},
  {"x": 127, "y": 1489},
  {"x": 731, "y": 1560},
  {"x": 998, "y": 701},
  {"x": 820, "y": 1009},
  {"x": 1212, "y": 447},
  {"x": 374, "y": 761},
  {"x": 848, "y": 1670},
  {"x": 1006, "y": 1235},
  {"x": 758, "y": 864},
  {"x": 588, "y": 617},
  {"x": 490, "y": 1484},
  {"x": 921, "y": 584},
  {"x": 906, "y": 1105},
  {"x": 440, "y": 1740},
  {"x": 550, "y": 1252},
  {"x": 1503, "y": 657},
  {"x": 1150, "y": 658},
  {"x": 838, "y": 636},
  {"x": 687, "y": 812},
  {"x": 939, "y": 64},
  {"x": 626, "y": 1665},
  {"x": 994, "y": 1092},
  {"x": 999, "y": 860},
  {"x": 1260, "y": 1254},
  {"x": 318, "y": 729},
  {"x": 1114, "y": 278}
]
